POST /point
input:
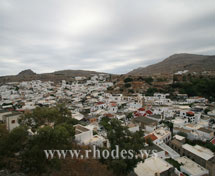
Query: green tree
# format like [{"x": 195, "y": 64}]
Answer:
[
  {"x": 27, "y": 152},
  {"x": 149, "y": 141},
  {"x": 148, "y": 80},
  {"x": 131, "y": 91},
  {"x": 126, "y": 80},
  {"x": 206, "y": 111},
  {"x": 14, "y": 141},
  {"x": 57, "y": 138},
  {"x": 11, "y": 145},
  {"x": 119, "y": 135},
  {"x": 127, "y": 85},
  {"x": 129, "y": 115},
  {"x": 175, "y": 78},
  {"x": 197, "y": 87},
  {"x": 46, "y": 115},
  {"x": 151, "y": 91}
]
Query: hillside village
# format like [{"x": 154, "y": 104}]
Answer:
[
  {"x": 107, "y": 88},
  {"x": 182, "y": 131}
]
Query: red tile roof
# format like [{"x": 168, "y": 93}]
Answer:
[
  {"x": 141, "y": 109},
  {"x": 113, "y": 104},
  {"x": 149, "y": 112},
  {"x": 137, "y": 114},
  {"x": 213, "y": 141},
  {"x": 109, "y": 115},
  {"x": 190, "y": 113},
  {"x": 152, "y": 136}
]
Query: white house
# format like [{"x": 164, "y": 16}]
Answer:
[
  {"x": 160, "y": 135},
  {"x": 153, "y": 166},
  {"x": 12, "y": 121},
  {"x": 190, "y": 167},
  {"x": 196, "y": 100},
  {"x": 112, "y": 107},
  {"x": 99, "y": 141},
  {"x": 83, "y": 135},
  {"x": 167, "y": 112},
  {"x": 191, "y": 116},
  {"x": 133, "y": 127},
  {"x": 205, "y": 133}
]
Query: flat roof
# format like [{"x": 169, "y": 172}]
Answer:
[
  {"x": 178, "y": 120},
  {"x": 12, "y": 114},
  {"x": 206, "y": 130},
  {"x": 200, "y": 151},
  {"x": 145, "y": 120},
  {"x": 130, "y": 125},
  {"x": 178, "y": 137},
  {"x": 160, "y": 132},
  {"x": 191, "y": 167},
  {"x": 151, "y": 166},
  {"x": 156, "y": 116},
  {"x": 80, "y": 129},
  {"x": 176, "y": 142},
  {"x": 182, "y": 130},
  {"x": 97, "y": 138},
  {"x": 183, "y": 107}
]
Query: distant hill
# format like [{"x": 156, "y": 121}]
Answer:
[
  {"x": 26, "y": 72},
  {"x": 28, "y": 75},
  {"x": 178, "y": 62},
  {"x": 75, "y": 72}
]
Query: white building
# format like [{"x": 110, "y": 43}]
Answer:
[
  {"x": 199, "y": 151},
  {"x": 205, "y": 133},
  {"x": 83, "y": 135},
  {"x": 133, "y": 127},
  {"x": 163, "y": 135},
  {"x": 153, "y": 166},
  {"x": 12, "y": 121},
  {"x": 99, "y": 141},
  {"x": 191, "y": 116},
  {"x": 189, "y": 167}
]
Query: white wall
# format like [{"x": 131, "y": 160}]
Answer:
[
  {"x": 84, "y": 137},
  {"x": 134, "y": 129},
  {"x": 12, "y": 122}
]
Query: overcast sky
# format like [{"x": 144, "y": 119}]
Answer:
[{"x": 113, "y": 36}]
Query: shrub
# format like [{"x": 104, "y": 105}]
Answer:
[{"x": 126, "y": 80}]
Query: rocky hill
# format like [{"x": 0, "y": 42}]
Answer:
[
  {"x": 75, "y": 72},
  {"x": 28, "y": 75},
  {"x": 178, "y": 62},
  {"x": 26, "y": 72}
]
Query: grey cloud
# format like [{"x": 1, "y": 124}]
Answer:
[{"x": 110, "y": 36}]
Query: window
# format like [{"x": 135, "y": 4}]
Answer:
[{"x": 13, "y": 121}]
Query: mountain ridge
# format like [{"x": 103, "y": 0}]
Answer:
[
  {"x": 178, "y": 62},
  {"x": 170, "y": 65},
  {"x": 28, "y": 75}
]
